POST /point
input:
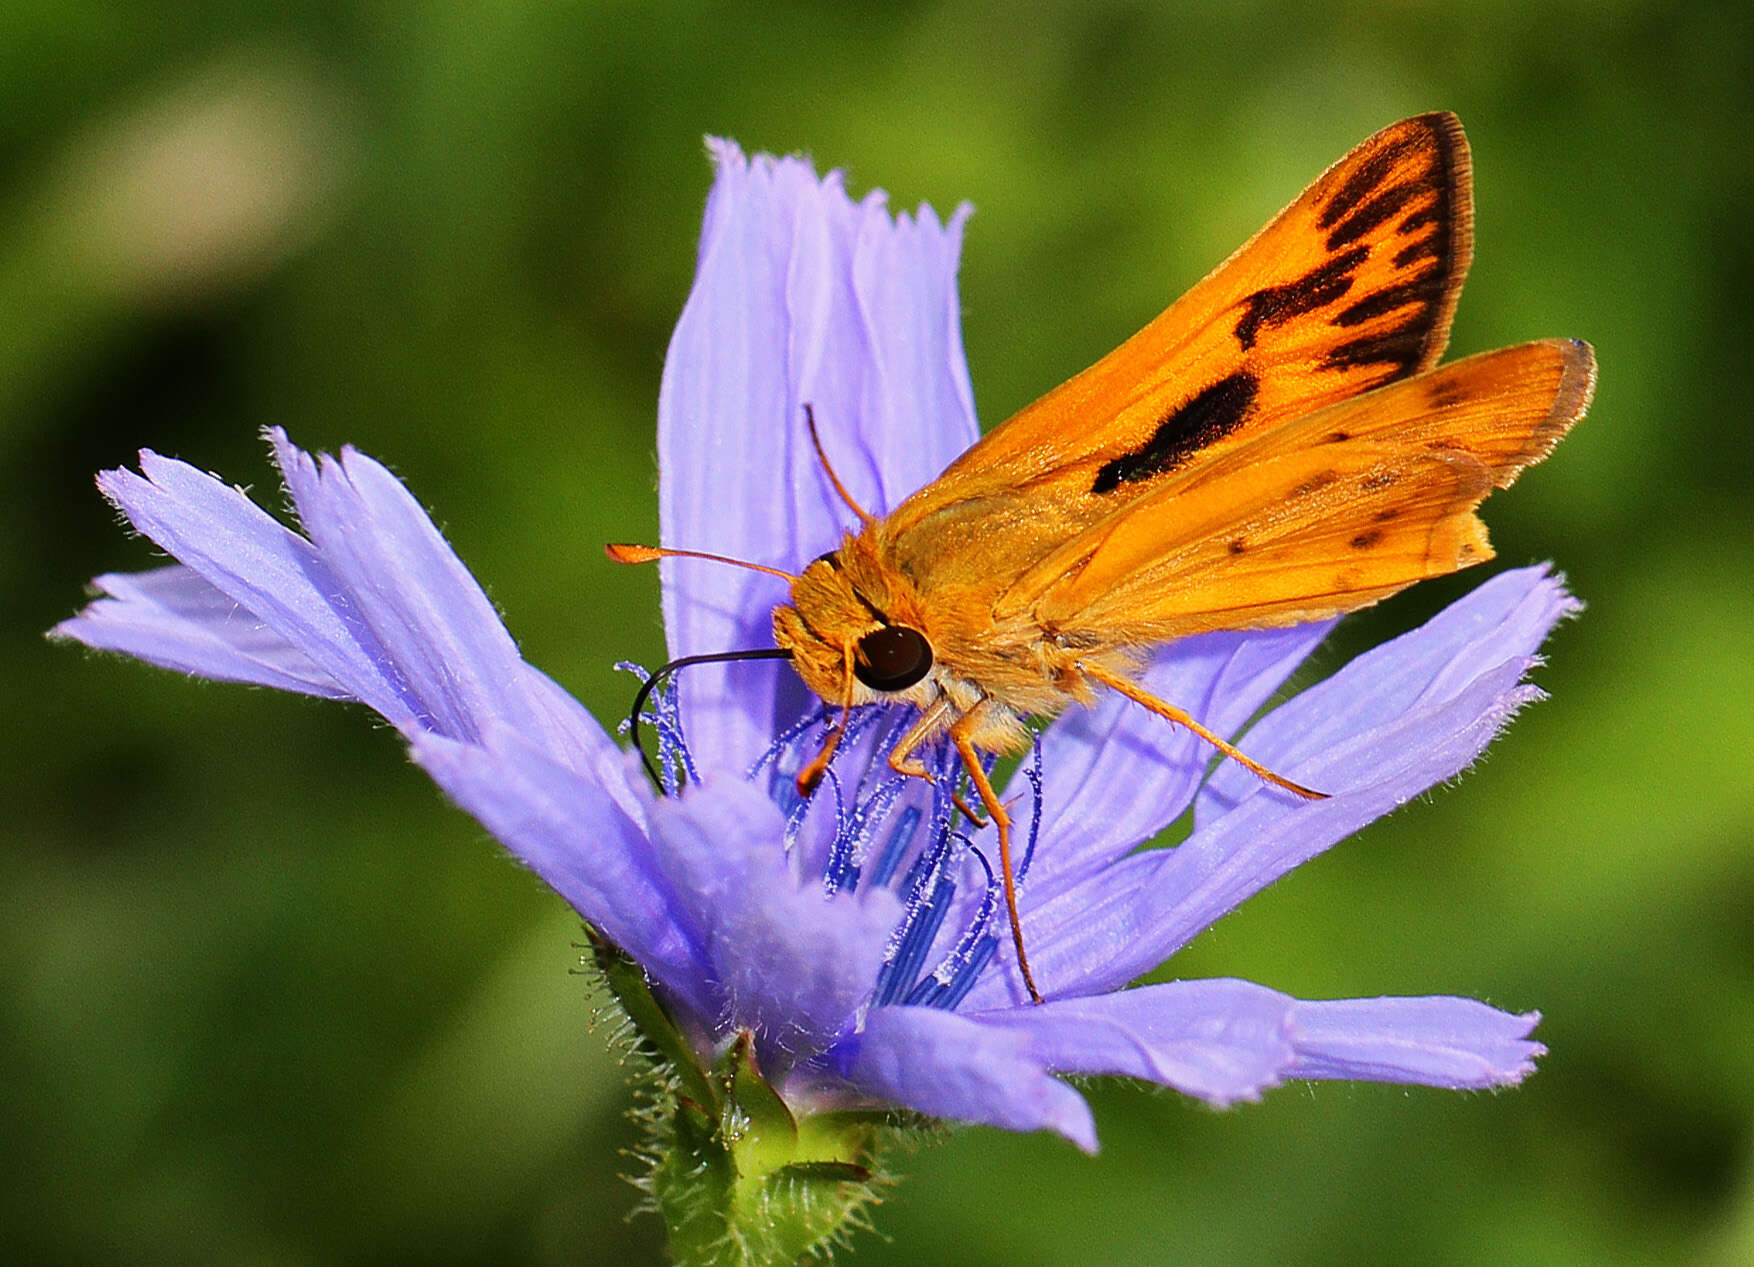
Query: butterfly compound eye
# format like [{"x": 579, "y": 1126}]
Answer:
[{"x": 892, "y": 658}]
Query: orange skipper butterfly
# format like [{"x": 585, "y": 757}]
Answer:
[{"x": 1277, "y": 446}]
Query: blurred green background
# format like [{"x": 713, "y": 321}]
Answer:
[{"x": 268, "y": 999}]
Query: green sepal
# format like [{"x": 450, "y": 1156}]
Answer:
[
  {"x": 656, "y": 1034},
  {"x": 754, "y": 1183},
  {"x": 755, "y": 1122},
  {"x": 691, "y": 1184},
  {"x": 738, "y": 1177}
]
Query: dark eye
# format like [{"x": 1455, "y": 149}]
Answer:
[{"x": 893, "y": 658}]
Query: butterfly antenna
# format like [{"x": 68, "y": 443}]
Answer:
[
  {"x": 865, "y": 516},
  {"x": 652, "y": 683},
  {"x": 622, "y": 552}
]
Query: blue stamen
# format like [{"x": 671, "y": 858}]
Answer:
[
  {"x": 782, "y": 790},
  {"x": 968, "y": 947},
  {"x": 673, "y": 755},
  {"x": 795, "y": 820},
  {"x": 900, "y": 837},
  {"x": 852, "y": 846},
  {"x": 787, "y": 737},
  {"x": 965, "y": 977},
  {"x": 858, "y": 722},
  {"x": 782, "y": 785},
  {"x": 874, "y": 844},
  {"x": 927, "y": 862},
  {"x": 639, "y": 671},
  {"x": 925, "y": 992},
  {"x": 664, "y": 715},
  {"x": 841, "y": 869},
  {"x": 925, "y": 916},
  {"x": 1033, "y": 773}
]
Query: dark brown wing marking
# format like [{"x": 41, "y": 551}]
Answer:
[
  {"x": 1209, "y": 416},
  {"x": 1351, "y": 286},
  {"x": 1321, "y": 286},
  {"x": 1434, "y": 232}
]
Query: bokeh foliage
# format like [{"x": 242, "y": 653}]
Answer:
[{"x": 267, "y": 998}]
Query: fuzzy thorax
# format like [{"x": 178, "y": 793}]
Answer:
[{"x": 853, "y": 592}]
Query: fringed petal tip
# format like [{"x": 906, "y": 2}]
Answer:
[
  {"x": 801, "y": 297},
  {"x": 1451, "y": 1043},
  {"x": 732, "y": 166},
  {"x": 171, "y": 617}
]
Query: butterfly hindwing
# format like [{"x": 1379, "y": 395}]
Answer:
[
  {"x": 1324, "y": 514},
  {"x": 1508, "y": 408},
  {"x": 1294, "y": 538}
]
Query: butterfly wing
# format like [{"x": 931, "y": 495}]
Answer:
[
  {"x": 1322, "y": 515},
  {"x": 1351, "y": 286}
]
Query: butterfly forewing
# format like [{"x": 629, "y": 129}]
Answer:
[{"x": 1351, "y": 286}]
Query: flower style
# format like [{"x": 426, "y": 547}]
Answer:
[{"x": 852, "y": 946}]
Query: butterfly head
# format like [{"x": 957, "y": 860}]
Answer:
[{"x": 855, "y": 632}]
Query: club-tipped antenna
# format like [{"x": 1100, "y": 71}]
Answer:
[
  {"x": 652, "y": 683},
  {"x": 623, "y": 552}
]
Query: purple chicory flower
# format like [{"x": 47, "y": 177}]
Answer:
[{"x": 857, "y": 938}]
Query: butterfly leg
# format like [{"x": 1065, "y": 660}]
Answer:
[
  {"x": 1170, "y": 712},
  {"x": 902, "y": 760},
  {"x": 931, "y": 721},
  {"x": 962, "y": 735}
]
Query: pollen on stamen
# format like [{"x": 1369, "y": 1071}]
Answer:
[
  {"x": 926, "y": 911},
  {"x": 852, "y": 844},
  {"x": 952, "y": 979},
  {"x": 901, "y": 836},
  {"x": 663, "y": 713}
]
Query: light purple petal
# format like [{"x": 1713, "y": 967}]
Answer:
[
  {"x": 1100, "y": 934},
  {"x": 264, "y": 567},
  {"x": 174, "y": 618},
  {"x": 918, "y": 403},
  {"x": 1115, "y": 775},
  {"x": 952, "y": 1066},
  {"x": 376, "y": 608},
  {"x": 406, "y": 585},
  {"x": 1505, "y": 618},
  {"x": 1460, "y": 1044},
  {"x": 798, "y": 298},
  {"x": 792, "y": 963},
  {"x": 1228, "y": 1040},
  {"x": 1220, "y": 1040},
  {"x": 566, "y": 733},
  {"x": 567, "y": 830}
]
